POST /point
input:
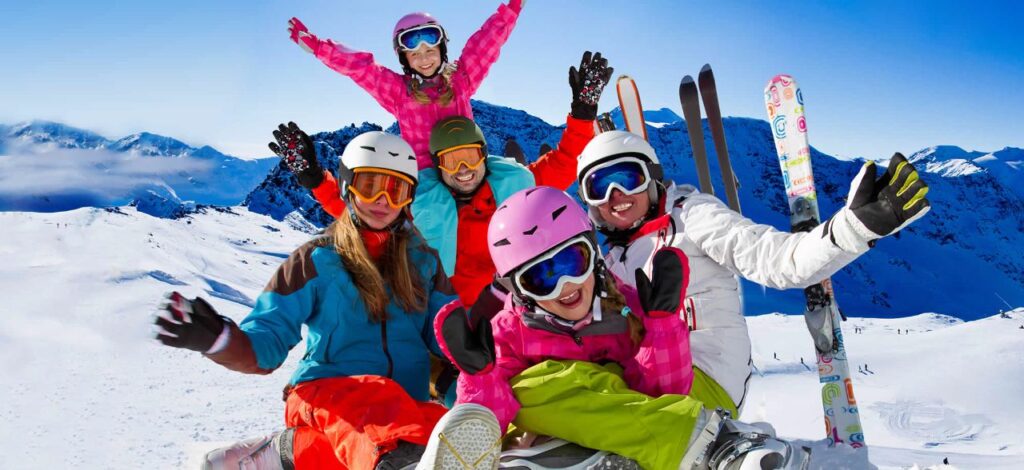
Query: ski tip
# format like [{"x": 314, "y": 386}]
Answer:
[
  {"x": 705, "y": 69},
  {"x": 686, "y": 80},
  {"x": 623, "y": 78}
]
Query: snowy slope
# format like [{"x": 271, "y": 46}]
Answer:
[{"x": 84, "y": 388}]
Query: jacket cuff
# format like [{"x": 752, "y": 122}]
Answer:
[
  {"x": 847, "y": 232},
  {"x": 238, "y": 355}
]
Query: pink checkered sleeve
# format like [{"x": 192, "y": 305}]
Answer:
[
  {"x": 482, "y": 50},
  {"x": 383, "y": 84},
  {"x": 663, "y": 363},
  {"x": 492, "y": 389}
]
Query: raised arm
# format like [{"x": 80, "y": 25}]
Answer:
[
  {"x": 487, "y": 361},
  {"x": 483, "y": 48},
  {"x": 662, "y": 362},
  {"x": 557, "y": 168},
  {"x": 298, "y": 153},
  {"x": 384, "y": 85}
]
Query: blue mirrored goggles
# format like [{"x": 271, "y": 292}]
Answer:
[
  {"x": 544, "y": 278},
  {"x": 429, "y": 34},
  {"x": 629, "y": 175}
]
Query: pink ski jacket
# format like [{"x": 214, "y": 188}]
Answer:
[
  {"x": 660, "y": 364},
  {"x": 392, "y": 89}
]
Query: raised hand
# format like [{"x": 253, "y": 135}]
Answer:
[
  {"x": 587, "y": 83},
  {"x": 301, "y": 36},
  {"x": 298, "y": 153},
  {"x": 467, "y": 341},
  {"x": 892, "y": 202},
  {"x": 664, "y": 296},
  {"x": 188, "y": 324}
]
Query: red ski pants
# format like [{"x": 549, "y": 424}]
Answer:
[{"x": 349, "y": 422}]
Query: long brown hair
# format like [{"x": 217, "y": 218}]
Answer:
[
  {"x": 614, "y": 302},
  {"x": 373, "y": 278},
  {"x": 446, "y": 93}
]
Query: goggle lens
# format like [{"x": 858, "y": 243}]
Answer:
[
  {"x": 628, "y": 175},
  {"x": 542, "y": 278},
  {"x": 430, "y": 35},
  {"x": 470, "y": 157},
  {"x": 370, "y": 185}
]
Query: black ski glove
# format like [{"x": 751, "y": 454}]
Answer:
[
  {"x": 887, "y": 205},
  {"x": 587, "y": 83},
  {"x": 664, "y": 296},
  {"x": 189, "y": 324},
  {"x": 466, "y": 339},
  {"x": 299, "y": 154}
]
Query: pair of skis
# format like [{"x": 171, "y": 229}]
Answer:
[
  {"x": 785, "y": 105},
  {"x": 688, "y": 98}
]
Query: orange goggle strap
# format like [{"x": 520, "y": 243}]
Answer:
[
  {"x": 460, "y": 161},
  {"x": 390, "y": 190}
]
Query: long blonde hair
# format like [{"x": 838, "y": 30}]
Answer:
[
  {"x": 614, "y": 301},
  {"x": 446, "y": 93},
  {"x": 373, "y": 278}
]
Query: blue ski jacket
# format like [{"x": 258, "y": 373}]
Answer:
[{"x": 313, "y": 288}]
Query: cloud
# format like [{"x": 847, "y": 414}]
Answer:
[{"x": 102, "y": 173}]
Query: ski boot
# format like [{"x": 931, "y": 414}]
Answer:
[
  {"x": 272, "y": 452},
  {"x": 468, "y": 437},
  {"x": 721, "y": 443},
  {"x": 406, "y": 455}
]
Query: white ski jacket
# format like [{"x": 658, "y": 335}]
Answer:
[{"x": 722, "y": 244}]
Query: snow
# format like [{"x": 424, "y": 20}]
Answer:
[{"x": 85, "y": 388}]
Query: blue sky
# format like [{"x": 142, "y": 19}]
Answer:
[{"x": 877, "y": 76}]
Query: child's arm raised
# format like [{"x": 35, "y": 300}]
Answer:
[
  {"x": 383, "y": 84},
  {"x": 483, "y": 48}
]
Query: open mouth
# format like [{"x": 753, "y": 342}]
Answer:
[
  {"x": 619, "y": 209},
  {"x": 572, "y": 300},
  {"x": 465, "y": 178}
]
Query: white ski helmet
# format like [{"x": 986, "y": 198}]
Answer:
[
  {"x": 611, "y": 145},
  {"x": 377, "y": 150}
]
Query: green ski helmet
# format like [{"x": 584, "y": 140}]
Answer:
[{"x": 455, "y": 131}]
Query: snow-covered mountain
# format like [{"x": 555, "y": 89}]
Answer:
[
  {"x": 85, "y": 388},
  {"x": 124, "y": 169},
  {"x": 976, "y": 226}
]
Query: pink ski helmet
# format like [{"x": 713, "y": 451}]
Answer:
[
  {"x": 530, "y": 223},
  {"x": 413, "y": 20}
]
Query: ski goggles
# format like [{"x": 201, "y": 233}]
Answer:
[
  {"x": 628, "y": 174},
  {"x": 429, "y": 34},
  {"x": 369, "y": 184},
  {"x": 543, "y": 278},
  {"x": 470, "y": 156}
]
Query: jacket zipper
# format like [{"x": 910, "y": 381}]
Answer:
[{"x": 384, "y": 342}]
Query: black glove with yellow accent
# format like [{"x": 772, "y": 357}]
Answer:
[{"x": 892, "y": 202}]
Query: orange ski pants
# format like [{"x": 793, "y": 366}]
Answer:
[{"x": 349, "y": 422}]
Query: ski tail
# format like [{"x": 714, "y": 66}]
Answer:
[
  {"x": 691, "y": 114},
  {"x": 709, "y": 94},
  {"x": 514, "y": 151},
  {"x": 629, "y": 103}
]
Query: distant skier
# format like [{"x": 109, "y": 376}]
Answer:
[
  {"x": 621, "y": 181},
  {"x": 430, "y": 87}
]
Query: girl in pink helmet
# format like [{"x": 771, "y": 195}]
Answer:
[
  {"x": 430, "y": 87},
  {"x": 567, "y": 358},
  {"x": 565, "y": 307}
]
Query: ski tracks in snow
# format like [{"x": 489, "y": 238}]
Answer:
[{"x": 931, "y": 423}]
